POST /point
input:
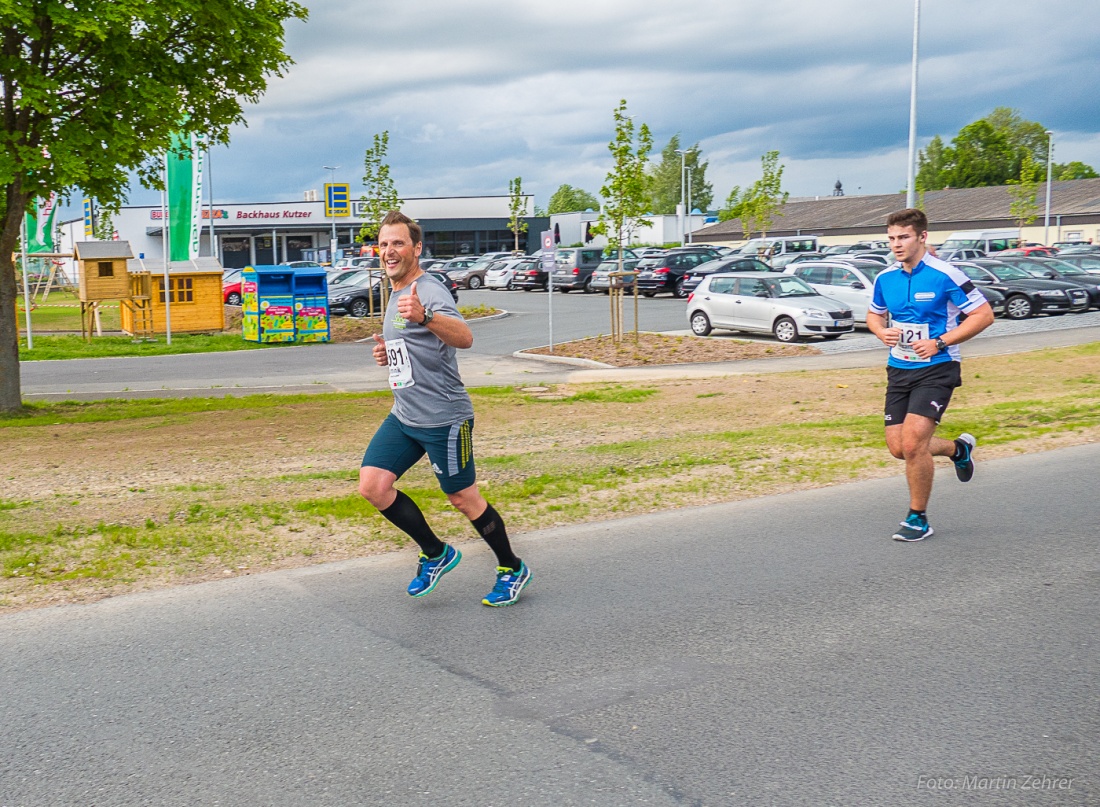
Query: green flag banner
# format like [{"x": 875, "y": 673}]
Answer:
[
  {"x": 40, "y": 213},
  {"x": 184, "y": 197}
]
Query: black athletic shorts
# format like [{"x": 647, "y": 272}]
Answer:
[{"x": 925, "y": 391}]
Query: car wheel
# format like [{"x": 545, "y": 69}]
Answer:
[
  {"x": 785, "y": 330},
  {"x": 649, "y": 294},
  {"x": 233, "y": 299},
  {"x": 474, "y": 283},
  {"x": 358, "y": 308},
  {"x": 563, "y": 291},
  {"x": 511, "y": 286},
  {"x": 700, "y": 324},
  {"x": 829, "y": 337},
  {"x": 678, "y": 290},
  {"x": 1018, "y": 307},
  {"x": 588, "y": 286},
  {"x": 527, "y": 288}
]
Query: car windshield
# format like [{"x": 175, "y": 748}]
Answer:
[
  {"x": 339, "y": 278},
  {"x": 363, "y": 279},
  {"x": 231, "y": 277},
  {"x": 1005, "y": 272},
  {"x": 790, "y": 286}
]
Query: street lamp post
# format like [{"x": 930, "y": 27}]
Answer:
[
  {"x": 1050, "y": 158},
  {"x": 332, "y": 241},
  {"x": 911, "y": 168},
  {"x": 687, "y": 205},
  {"x": 683, "y": 164}
]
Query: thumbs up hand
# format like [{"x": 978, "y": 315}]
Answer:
[
  {"x": 410, "y": 307},
  {"x": 380, "y": 351}
]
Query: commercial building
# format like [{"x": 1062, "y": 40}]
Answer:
[{"x": 276, "y": 232}]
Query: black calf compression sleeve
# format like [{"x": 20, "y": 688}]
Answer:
[
  {"x": 406, "y": 516},
  {"x": 490, "y": 526}
]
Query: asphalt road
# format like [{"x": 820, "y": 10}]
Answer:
[{"x": 775, "y": 651}]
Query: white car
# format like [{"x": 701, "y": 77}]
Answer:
[
  {"x": 766, "y": 302},
  {"x": 502, "y": 274},
  {"x": 849, "y": 281}
]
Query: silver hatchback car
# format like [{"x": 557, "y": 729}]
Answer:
[{"x": 766, "y": 302}]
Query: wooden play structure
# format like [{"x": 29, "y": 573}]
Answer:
[{"x": 108, "y": 270}]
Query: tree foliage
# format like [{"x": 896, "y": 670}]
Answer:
[
  {"x": 381, "y": 194},
  {"x": 567, "y": 199},
  {"x": 92, "y": 91},
  {"x": 758, "y": 206},
  {"x": 517, "y": 206},
  {"x": 666, "y": 181},
  {"x": 990, "y": 151},
  {"x": 1024, "y": 192},
  {"x": 625, "y": 191}
]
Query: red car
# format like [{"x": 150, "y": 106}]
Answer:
[
  {"x": 231, "y": 287},
  {"x": 1033, "y": 250}
]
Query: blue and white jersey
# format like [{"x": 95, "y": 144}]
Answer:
[{"x": 931, "y": 297}]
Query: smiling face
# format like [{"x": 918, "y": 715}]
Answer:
[
  {"x": 906, "y": 244},
  {"x": 399, "y": 255}
]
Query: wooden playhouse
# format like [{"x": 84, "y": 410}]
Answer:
[{"x": 194, "y": 297}]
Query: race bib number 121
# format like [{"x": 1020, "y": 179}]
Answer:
[{"x": 910, "y": 332}]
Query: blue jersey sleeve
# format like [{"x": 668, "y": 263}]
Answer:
[{"x": 878, "y": 299}]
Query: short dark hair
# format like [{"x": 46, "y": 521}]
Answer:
[
  {"x": 416, "y": 233},
  {"x": 909, "y": 217}
]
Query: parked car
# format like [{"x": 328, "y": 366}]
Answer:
[
  {"x": 532, "y": 278},
  {"x": 573, "y": 267},
  {"x": 1055, "y": 269},
  {"x": 960, "y": 254},
  {"x": 989, "y": 241},
  {"x": 354, "y": 296},
  {"x": 601, "y": 278},
  {"x": 666, "y": 272},
  {"x": 995, "y": 299},
  {"x": 781, "y": 262},
  {"x": 502, "y": 274},
  {"x": 303, "y": 265},
  {"x": 1079, "y": 249},
  {"x": 1061, "y": 245},
  {"x": 1035, "y": 250},
  {"x": 886, "y": 259},
  {"x": 736, "y": 263},
  {"x": 1025, "y": 296},
  {"x": 770, "y": 247},
  {"x": 766, "y": 303},
  {"x": 458, "y": 269},
  {"x": 1088, "y": 262},
  {"x": 445, "y": 279},
  {"x": 231, "y": 287},
  {"x": 431, "y": 263},
  {"x": 850, "y": 281}
]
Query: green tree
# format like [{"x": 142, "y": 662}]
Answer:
[
  {"x": 518, "y": 208},
  {"x": 1073, "y": 170},
  {"x": 567, "y": 199},
  {"x": 982, "y": 156},
  {"x": 758, "y": 206},
  {"x": 666, "y": 182},
  {"x": 1024, "y": 192},
  {"x": 625, "y": 191},
  {"x": 381, "y": 194},
  {"x": 92, "y": 91},
  {"x": 933, "y": 166}
]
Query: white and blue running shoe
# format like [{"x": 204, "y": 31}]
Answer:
[
  {"x": 914, "y": 528},
  {"x": 510, "y": 583},
  {"x": 964, "y": 450},
  {"x": 429, "y": 571}
]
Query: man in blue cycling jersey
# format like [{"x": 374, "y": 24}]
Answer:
[{"x": 924, "y": 298}]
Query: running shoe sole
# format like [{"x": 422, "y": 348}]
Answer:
[{"x": 913, "y": 535}]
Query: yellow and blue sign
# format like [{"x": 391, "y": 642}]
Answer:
[
  {"x": 337, "y": 199},
  {"x": 89, "y": 219}
]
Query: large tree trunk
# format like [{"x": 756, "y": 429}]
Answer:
[{"x": 10, "y": 391}]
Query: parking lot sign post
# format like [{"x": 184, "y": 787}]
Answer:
[{"x": 547, "y": 256}]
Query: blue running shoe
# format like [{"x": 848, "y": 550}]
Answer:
[
  {"x": 429, "y": 571},
  {"x": 914, "y": 528},
  {"x": 964, "y": 449},
  {"x": 510, "y": 583}
]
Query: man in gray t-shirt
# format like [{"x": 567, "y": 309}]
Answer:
[{"x": 432, "y": 414}]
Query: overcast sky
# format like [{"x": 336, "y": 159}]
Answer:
[{"x": 474, "y": 93}]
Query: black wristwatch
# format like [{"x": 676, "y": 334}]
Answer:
[
  {"x": 428, "y": 315},
  {"x": 940, "y": 344}
]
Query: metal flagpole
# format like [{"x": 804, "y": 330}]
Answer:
[
  {"x": 165, "y": 230},
  {"x": 210, "y": 191},
  {"x": 26, "y": 285},
  {"x": 911, "y": 168}
]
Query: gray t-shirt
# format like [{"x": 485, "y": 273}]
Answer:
[{"x": 437, "y": 396}]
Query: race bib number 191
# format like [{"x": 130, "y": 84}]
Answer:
[
  {"x": 397, "y": 357},
  {"x": 910, "y": 332}
]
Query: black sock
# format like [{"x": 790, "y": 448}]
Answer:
[
  {"x": 920, "y": 513},
  {"x": 406, "y": 516},
  {"x": 490, "y": 526}
]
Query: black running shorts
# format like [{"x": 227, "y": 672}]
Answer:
[{"x": 925, "y": 391}]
